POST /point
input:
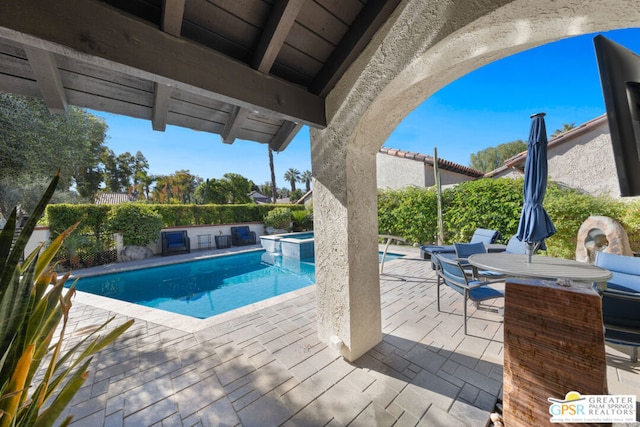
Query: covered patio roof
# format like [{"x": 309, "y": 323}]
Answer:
[{"x": 256, "y": 70}]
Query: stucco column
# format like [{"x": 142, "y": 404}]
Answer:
[{"x": 346, "y": 251}]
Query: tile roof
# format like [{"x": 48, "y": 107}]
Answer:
[
  {"x": 428, "y": 160},
  {"x": 114, "y": 198}
]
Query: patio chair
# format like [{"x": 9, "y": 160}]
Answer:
[
  {"x": 481, "y": 235},
  {"x": 464, "y": 251},
  {"x": 175, "y": 242},
  {"x": 621, "y": 300},
  {"x": 242, "y": 236},
  {"x": 515, "y": 246},
  {"x": 451, "y": 273}
]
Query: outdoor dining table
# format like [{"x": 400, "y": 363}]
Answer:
[
  {"x": 540, "y": 267},
  {"x": 553, "y": 331}
]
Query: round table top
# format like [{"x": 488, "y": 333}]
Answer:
[{"x": 540, "y": 267}]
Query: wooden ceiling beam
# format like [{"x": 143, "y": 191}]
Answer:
[
  {"x": 234, "y": 124},
  {"x": 275, "y": 32},
  {"x": 124, "y": 44},
  {"x": 278, "y": 26},
  {"x": 285, "y": 134},
  {"x": 44, "y": 67},
  {"x": 162, "y": 95},
  {"x": 370, "y": 19},
  {"x": 172, "y": 13}
]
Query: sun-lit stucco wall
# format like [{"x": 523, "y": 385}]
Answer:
[
  {"x": 586, "y": 163},
  {"x": 396, "y": 173}
]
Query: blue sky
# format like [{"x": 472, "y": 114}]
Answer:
[{"x": 487, "y": 107}]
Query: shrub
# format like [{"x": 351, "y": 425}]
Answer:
[
  {"x": 630, "y": 220},
  {"x": 302, "y": 220},
  {"x": 497, "y": 204},
  {"x": 139, "y": 224},
  {"x": 494, "y": 204},
  {"x": 32, "y": 305},
  {"x": 410, "y": 213},
  {"x": 279, "y": 218},
  {"x": 175, "y": 215}
]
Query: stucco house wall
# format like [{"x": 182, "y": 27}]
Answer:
[
  {"x": 396, "y": 173},
  {"x": 447, "y": 177},
  {"x": 397, "y": 169},
  {"x": 586, "y": 162},
  {"x": 581, "y": 158}
]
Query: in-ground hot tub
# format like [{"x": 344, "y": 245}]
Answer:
[{"x": 292, "y": 245}]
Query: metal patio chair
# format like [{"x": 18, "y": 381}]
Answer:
[{"x": 451, "y": 273}]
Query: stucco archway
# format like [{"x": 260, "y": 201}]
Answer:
[{"x": 422, "y": 48}]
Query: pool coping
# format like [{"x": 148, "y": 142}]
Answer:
[
  {"x": 180, "y": 321},
  {"x": 166, "y": 318}
]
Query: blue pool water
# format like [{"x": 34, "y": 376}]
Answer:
[
  {"x": 299, "y": 236},
  {"x": 207, "y": 287},
  {"x": 390, "y": 256}
]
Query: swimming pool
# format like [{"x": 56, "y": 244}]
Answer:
[{"x": 207, "y": 287}]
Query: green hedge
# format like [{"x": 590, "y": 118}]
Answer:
[
  {"x": 486, "y": 203},
  {"x": 61, "y": 216},
  {"x": 137, "y": 223},
  {"x": 94, "y": 217},
  {"x": 496, "y": 204}
]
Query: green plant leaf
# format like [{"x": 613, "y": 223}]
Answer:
[
  {"x": 46, "y": 256},
  {"x": 49, "y": 415},
  {"x": 17, "y": 383},
  {"x": 14, "y": 308},
  {"x": 6, "y": 240}
]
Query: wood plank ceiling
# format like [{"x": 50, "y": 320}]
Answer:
[{"x": 256, "y": 70}]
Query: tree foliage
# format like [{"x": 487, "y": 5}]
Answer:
[
  {"x": 494, "y": 157},
  {"x": 306, "y": 178},
  {"x": 292, "y": 176},
  {"x": 565, "y": 127},
  {"x": 125, "y": 172},
  {"x": 232, "y": 188},
  {"x": 35, "y": 143},
  {"x": 179, "y": 187}
]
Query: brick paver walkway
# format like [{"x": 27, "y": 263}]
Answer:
[{"x": 265, "y": 366}]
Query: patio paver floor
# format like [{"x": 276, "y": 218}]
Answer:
[{"x": 264, "y": 366}]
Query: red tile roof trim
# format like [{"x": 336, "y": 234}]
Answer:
[{"x": 442, "y": 164}]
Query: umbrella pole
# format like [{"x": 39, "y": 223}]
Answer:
[{"x": 529, "y": 250}]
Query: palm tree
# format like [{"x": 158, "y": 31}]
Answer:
[
  {"x": 274, "y": 194},
  {"x": 565, "y": 127},
  {"x": 292, "y": 176},
  {"x": 306, "y": 178}
]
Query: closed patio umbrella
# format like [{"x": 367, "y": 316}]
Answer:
[{"x": 535, "y": 224}]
